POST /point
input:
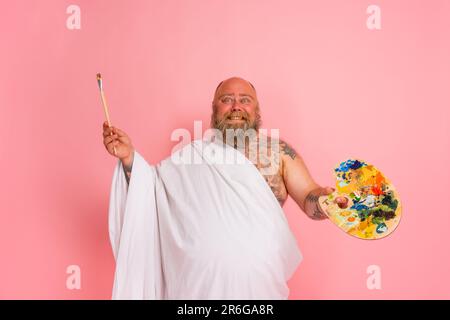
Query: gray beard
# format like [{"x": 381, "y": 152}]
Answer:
[{"x": 237, "y": 133}]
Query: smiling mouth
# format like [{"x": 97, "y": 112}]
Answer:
[{"x": 234, "y": 118}]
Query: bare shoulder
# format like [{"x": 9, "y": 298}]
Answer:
[
  {"x": 287, "y": 151},
  {"x": 291, "y": 160}
]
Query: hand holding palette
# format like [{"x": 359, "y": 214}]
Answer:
[{"x": 373, "y": 209}]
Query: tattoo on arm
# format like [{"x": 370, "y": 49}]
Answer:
[
  {"x": 312, "y": 207},
  {"x": 127, "y": 171},
  {"x": 287, "y": 149}
]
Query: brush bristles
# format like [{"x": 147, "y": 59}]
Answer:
[{"x": 99, "y": 81}]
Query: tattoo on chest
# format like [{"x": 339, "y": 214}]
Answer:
[
  {"x": 269, "y": 164},
  {"x": 276, "y": 184},
  {"x": 274, "y": 178}
]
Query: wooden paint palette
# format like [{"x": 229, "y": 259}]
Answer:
[{"x": 373, "y": 210}]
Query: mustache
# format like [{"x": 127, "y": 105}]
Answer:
[
  {"x": 221, "y": 122},
  {"x": 241, "y": 114}
]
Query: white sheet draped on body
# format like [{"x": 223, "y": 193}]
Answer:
[{"x": 199, "y": 231}]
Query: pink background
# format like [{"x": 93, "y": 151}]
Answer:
[{"x": 334, "y": 89}]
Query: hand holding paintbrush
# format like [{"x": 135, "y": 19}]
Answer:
[
  {"x": 105, "y": 106},
  {"x": 115, "y": 140}
]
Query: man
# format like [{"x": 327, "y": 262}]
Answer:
[{"x": 235, "y": 108}]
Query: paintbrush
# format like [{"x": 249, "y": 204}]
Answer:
[{"x": 105, "y": 107}]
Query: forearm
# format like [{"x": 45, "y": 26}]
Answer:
[
  {"x": 311, "y": 205},
  {"x": 127, "y": 165}
]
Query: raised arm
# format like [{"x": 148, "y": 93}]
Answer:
[{"x": 300, "y": 185}]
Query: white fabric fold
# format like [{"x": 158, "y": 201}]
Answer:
[{"x": 205, "y": 230}]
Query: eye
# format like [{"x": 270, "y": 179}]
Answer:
[
  {"x": 226, "y": 100},
  {"x": 245, "y": 100}
]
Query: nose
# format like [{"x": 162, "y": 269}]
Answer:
[{"x": 236, "y": 106}]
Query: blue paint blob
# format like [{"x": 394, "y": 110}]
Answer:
[
  {"x": 350, "y": 164},
  {"x": 381, "y": 228},
  {"x": 357, "y": 164},
  {"x": 359, "y": 207}
]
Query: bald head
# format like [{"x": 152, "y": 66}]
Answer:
[
  {"x": 232, "y": 82},
  {"x": 235, "y": 106}
]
